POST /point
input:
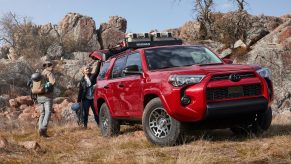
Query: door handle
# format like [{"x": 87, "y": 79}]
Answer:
[
  {"x": 121, "y": 85},
  {"x": 106, "y": 87}
]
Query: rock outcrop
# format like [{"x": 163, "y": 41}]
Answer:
[
  {"x": 81, "y": 30},
  {"x": 274, "y": 52},
  {"x": 112, "y": 32}
]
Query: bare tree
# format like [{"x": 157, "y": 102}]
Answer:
[
  {"x": 23, "y": 36},
  {"x": 241, "y": 4},
  {"x": 203, "y": 9}
]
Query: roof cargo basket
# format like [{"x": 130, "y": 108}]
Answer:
[{"x": 135, "y": 41}]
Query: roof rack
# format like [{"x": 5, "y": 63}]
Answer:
[{"x": 135, "y": 41}]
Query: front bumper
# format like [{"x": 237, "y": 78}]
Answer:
[{"x": 234, "y": 108}]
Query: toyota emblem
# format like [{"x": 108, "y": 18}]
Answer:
[{"x": 234, "y": 77}]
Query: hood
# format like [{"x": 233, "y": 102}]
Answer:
[
  {"x": 215, "y": 68},
  {"x": 225, "y": 68}
]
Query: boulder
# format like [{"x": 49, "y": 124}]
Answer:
[
  {"x": 81, "y": 30},
  {"x": 261, "y": 26},
  {"x": 239, "y": 44},
  {"x": 55, "y": 51},
  {"x": 270, "y": 52},
  {"x": 24, "y": 100},
  {"x": 68, "y": 115},
  {"x": 13, "y": 103},
  {"x": 112, "y": 32},
  {"x": 225, "y": 53}
]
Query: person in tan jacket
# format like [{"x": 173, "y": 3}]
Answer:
[{"x": 46, "y": 99}]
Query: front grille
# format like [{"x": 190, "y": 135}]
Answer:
[
  {"x": 224, "y": 93},
  {"x": 226, "y": 76}
]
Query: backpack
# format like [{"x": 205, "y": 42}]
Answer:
[
  {"x": 40, "y": 84},
  {"x": 37, "y": 83}
]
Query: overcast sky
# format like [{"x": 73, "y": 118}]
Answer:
[{"x": 142, "y": 15}]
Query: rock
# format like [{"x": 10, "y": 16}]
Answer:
[
  {"x": 59, "y": 100},
  {"x": 13, "y": 103},
  {"x": 190, "y": 31},
  {"x": 239, "y": 44},
  {"x": 25, "y": 117},
  {"x": 22, "y": 107},
  {"x": 3, "y": 142},
  {"x": 55, "y": 51},
  {"x": 261, "y": 26},
  {"x": 81, "y": 30},
  {"x": 24, "y": 100},
  {"x": 270, "y": 52},
  {"x": 30, "y": 145},
  {"x": 215, "y": 46},
  {"x": 68, "y": 115},
  {"x": 4, "y": 51},
  {"x": 13, "y": 77},
  {"x": 82, "y": 56},
  {"x": 3, "y": 101},
  {"x": 12, "y": 54},
  {"x": 283, "y": 117},
  {"x": 118, "y": 23},
  {"x": 27, "y": 110},
  {"x": 112, "y": 32},
  {"x": 225, "y": 53}
]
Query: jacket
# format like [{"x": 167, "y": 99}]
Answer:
[{"x": 83, "y": 86}]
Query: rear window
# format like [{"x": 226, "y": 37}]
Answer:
[
  {"x": 103, "y": 70},
  {"x": 159, "y": 58}
]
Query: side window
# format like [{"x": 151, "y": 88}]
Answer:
[
  {"x": 103, "y": 70},
  {"x": 134, "y": 59},
  {"x": 118, "y": 67}
]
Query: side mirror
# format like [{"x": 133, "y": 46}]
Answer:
[
  {"x": 132, "y": 70},
  {"x": 227, "y": 61}
]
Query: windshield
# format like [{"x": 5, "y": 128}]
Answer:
[{"x": 167, "y": 57}]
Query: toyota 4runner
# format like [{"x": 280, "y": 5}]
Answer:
[{"x": 173, "y": 88}]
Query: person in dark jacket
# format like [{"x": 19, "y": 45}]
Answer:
[{"x": 85, "y": 96}]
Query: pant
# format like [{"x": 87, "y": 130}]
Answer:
[
  {"x": 46, "y": 104},
  {"x": 86, "y": 105}
]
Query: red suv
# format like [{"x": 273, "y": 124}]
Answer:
[{"x": 173, "y": 89}]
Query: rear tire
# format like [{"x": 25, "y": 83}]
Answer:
[
  {"x": 108, "y": 125},
  {"x": 159, "y": 127},
  {"x": 258, "y": 126}
]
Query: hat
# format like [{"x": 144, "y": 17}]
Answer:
[{"x": 47, "y": 63}]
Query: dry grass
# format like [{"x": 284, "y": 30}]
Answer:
[{"x": 72, "y": 144}]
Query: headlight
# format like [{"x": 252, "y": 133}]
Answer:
[
  {"x": 181, "y": 80},
  {"x": 264, "y": 72}
]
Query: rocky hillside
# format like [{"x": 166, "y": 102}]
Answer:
[{"x": 267, "y": 43}]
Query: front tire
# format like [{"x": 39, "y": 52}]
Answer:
[
  {"x": 159, "y": 127},
  {"x": 108, "y": 125}
]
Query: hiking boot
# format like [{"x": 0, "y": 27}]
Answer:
[{"x": 43, "y": 133}]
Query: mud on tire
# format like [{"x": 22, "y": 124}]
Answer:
[
  {"x": 159, "y": 127},
  {"x": 108, "y": 125}
]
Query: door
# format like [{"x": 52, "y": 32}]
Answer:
[
  {"x": 131, "y": 98},
  {"x": 116, "y": 88}
]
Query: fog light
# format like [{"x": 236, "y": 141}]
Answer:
[{"x": 185, "y": 100}]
